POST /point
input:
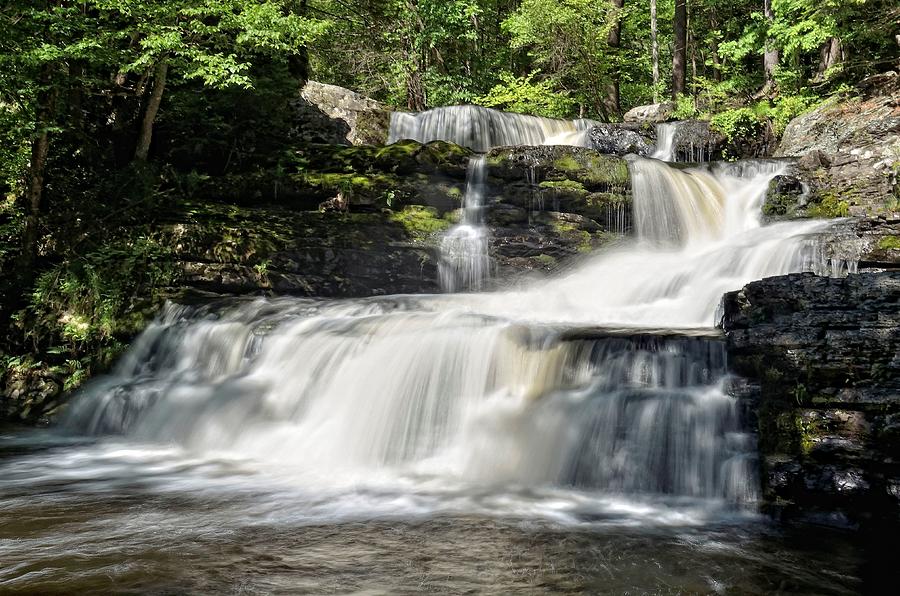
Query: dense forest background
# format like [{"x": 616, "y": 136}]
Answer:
[{"x": 113, "y": 111}]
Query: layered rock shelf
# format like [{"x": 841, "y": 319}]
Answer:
[{"x": 823, "y": 357}]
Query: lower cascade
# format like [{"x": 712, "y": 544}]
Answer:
[
  {"x": 608, "y": 381},
  {"x": 337, "y": 392}
]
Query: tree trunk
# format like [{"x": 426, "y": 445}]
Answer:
[
  {"x": 654, "y": 41},
  {"x": 679, "y": 54},
  {"x": 613, "y": 40},
  {"x": 412, "y": 57},
  {"x": 771, "y": 55},
  {"x": 40, "y": 148},
  {"x": 716, "y": 63},
  {"x": 415, "y": 92},
  {"x": 146, "y": 135},
  {"x": 830, "y": 55}
]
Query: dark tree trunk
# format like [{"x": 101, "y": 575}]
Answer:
[
  {"x": 654, "y": 41},
  {"x": 34, "y": 190},
  {"x": 142, "y": 150},
  {"x": 414, "y": 60},
  {"x": 716, "y": 63},
  {"x": 830, "y": 55},
  {"x": 415, "y": 91},
  {"x": 679, "y": 54},
  {"x": 771, "y": 56},
  {"x": 613, "y": 40}
]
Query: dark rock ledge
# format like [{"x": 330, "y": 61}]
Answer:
[{"x": 823, "y": 357}]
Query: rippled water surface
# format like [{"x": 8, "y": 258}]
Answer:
[{"x": 107, "y": 517}]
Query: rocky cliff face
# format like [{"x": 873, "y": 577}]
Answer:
[
  {"x": 848, "y": 157},
  {"x": 545, "y": 205},
  {"x": 823, "y": 357}
]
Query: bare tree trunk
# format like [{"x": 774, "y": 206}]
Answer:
[
  {"x": 415, "y": 91},
  {"x": 40, "y": 148},
  {"x": 716, "y": 64},
  {"x": 613, "y": 40},
  {"x": 830, "y": 55},
  {"x": 679, "y": 55},
  {"x": 146, "y": 135},
  {"x": 654, "y": 41},
  {"x": 415, "y": 63},
  {"x": 771, "y": 55}
]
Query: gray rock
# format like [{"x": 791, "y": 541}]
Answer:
[
  {"x": 334, "y": 115},
  {"x": 620, "y": 139},
  {"x": 656, "y": 112},
  {"x": 850, "y": 153}
]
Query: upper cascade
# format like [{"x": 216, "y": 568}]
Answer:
[
  {"x": 699, "y": 204},
  {"x": 480, "y": 128}
]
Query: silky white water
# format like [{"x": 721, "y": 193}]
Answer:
[
  {"x": 665, "y": 141},
  {"x": 508, "y": 403},
  {"x": 465, "y": 261},
  {"x": 480, "y": 129}
]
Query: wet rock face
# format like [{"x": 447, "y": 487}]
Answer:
[
  {"x": 695, "y": 141},
  {"x": 824, "y": 354},
  {"x": 872, "y": 243},
  {"x": 544, "y": 206},
  {"x": 549, "y": 204},
  {"x": 621, "y": 139}
]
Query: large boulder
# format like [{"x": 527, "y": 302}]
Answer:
[
  {"x": 333, "y": 115},
  {"x": 849, "y": 152},
  {"x": 655, "y": 112},
  {"x": 621, "y": 139}
]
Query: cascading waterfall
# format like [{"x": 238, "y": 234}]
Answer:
[
  {"x": 480, "y": 129},
  {"x": 665, "y": 141},
  {"x": 336, "y": 393},
  {"x": 670, "y": 148},
  {"x": 465, "y": 262},
  {"x": 698, "y": 235},
  {"x": 555, "y": 387}
]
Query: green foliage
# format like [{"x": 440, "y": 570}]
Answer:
[
  {"x": 102, "y": 295},
  {"x": 737, "y": 123},
  {"x": 684, "y": 108},
  {"x": 829, "y": 207},
  {"x": 526, "y": 96},
  {"x": 420, "y": 222},
  {"x": 889, "y": 243},
  {"x": 788, "y": 107}
]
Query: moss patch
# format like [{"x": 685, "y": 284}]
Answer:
[
  {"x": 889, "y": 243},
  {"x": 420, "y": 223},
  {"x": 829, "y": 207}
]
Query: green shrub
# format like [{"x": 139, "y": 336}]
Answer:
[{"x": 527, "y": 96}]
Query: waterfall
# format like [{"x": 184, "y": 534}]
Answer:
[
  {"x": 465, "y": 263},
  {"x": 337, "y": 392},
  {"x": 608, "y": 380},
  {"x": 480, "y": 129},
  {"x": 665, "y": 141}
]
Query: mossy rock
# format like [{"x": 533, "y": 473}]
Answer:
[{"x": 421, "y": 223}]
